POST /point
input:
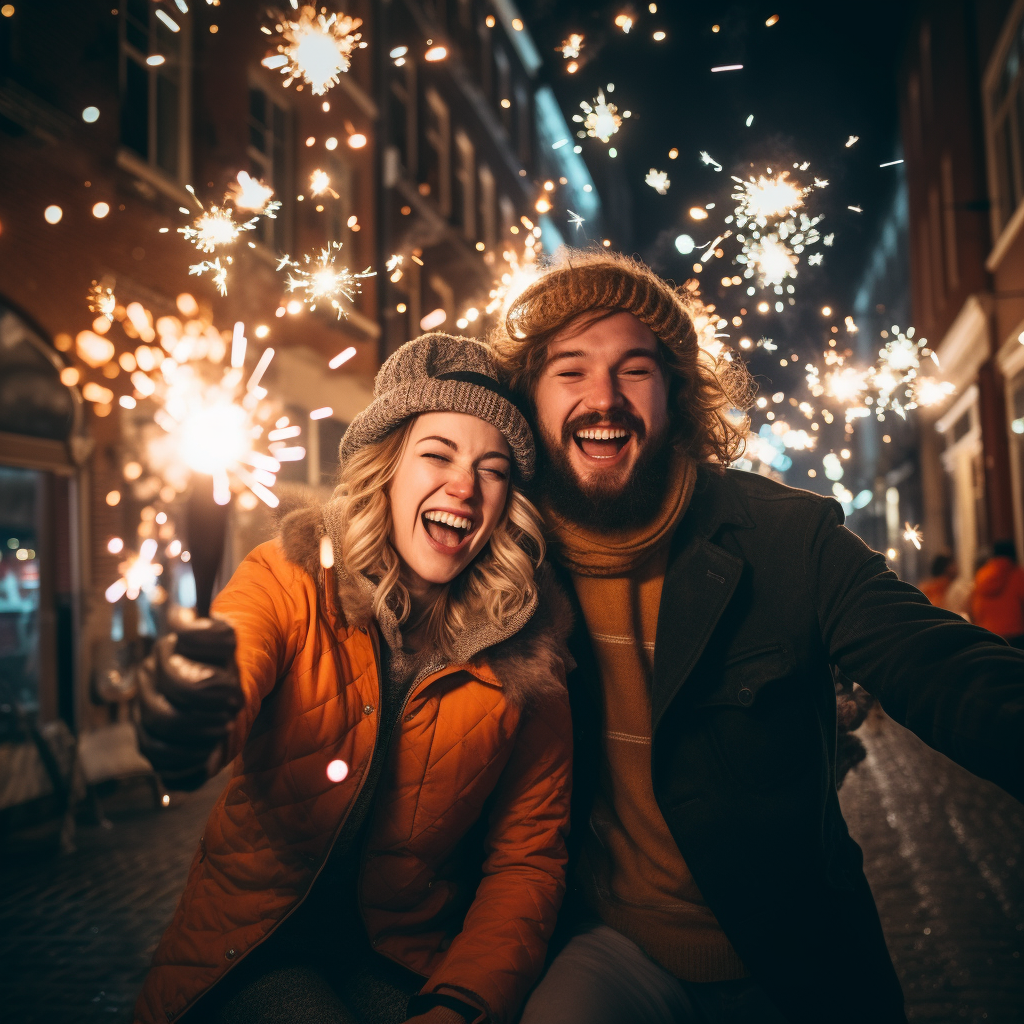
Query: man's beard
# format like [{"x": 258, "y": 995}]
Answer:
[{"x": 605, "y": 505}]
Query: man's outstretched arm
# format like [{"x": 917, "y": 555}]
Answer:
[{"x": 957, "y": 686}]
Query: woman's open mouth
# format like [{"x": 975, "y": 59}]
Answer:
[
  {"x": 601, "y": 442},
  {"x": 447, "y": 530}
]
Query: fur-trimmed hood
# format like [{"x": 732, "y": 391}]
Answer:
[{"x": 527, "y": 657}]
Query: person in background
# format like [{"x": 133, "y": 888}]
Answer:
[
  {"x": 942, "y": 588},
  {"x": 998, "y": 601}
]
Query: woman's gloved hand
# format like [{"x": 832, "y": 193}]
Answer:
[{"x": 189, "y": 695}]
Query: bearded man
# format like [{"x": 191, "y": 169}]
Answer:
[{"x": 714, "y": 878}]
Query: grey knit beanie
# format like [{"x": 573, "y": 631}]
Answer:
[{"x": 441, "y": 373}]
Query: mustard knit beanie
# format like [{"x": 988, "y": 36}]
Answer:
[
  {"x": 584, "y": 281},
  {"x": 440, "y": 373}
]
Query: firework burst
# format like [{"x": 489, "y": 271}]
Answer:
[
  {"x": 252, "y": 196},
  {"x": 571, "y": 46},
  {"x": 215, "y": 227},
  {"x": 101, "y": 301},
  {"x": 658, "y": 180},
  {"x": 318, "y": 280},
  {"x": 602, "y": 119},
  {"x": 316, "y": 49},
  {"x": 763, "y": 199}
]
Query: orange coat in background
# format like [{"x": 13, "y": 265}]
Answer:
[
  {"x": 998, "y": 601},
  {"x": 496, "y": 727}
]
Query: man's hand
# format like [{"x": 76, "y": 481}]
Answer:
[{"x": 189, "y": 695}]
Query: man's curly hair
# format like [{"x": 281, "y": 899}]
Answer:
[{"x": 708, "y": 390}]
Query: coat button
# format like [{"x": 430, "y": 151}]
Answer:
[
  {"x": 231, "y": 953},
  {"x": 367, "y": 709},
  {"x": 745, "y": 696}
]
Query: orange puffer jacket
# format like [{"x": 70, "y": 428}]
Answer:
[{"x": 496, "y": 724}]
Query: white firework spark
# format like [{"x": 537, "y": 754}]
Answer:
[
  {"x": 316, "y": 49},
  {"x": 215, "y": 227},
  {"x": 603, "y": 119},
  {"x": 571, "y": 46},
  {"x": 658, "y": 180},
  {"x": 318, "y": 279}
]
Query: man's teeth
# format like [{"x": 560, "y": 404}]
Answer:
[
  {"x": 601, "y": 433},
  {"x": 446, "y": 518}
]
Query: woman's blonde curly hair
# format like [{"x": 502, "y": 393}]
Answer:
[
  {"x": 497, "y": 585},
  {"x": 708, "y": 394}
]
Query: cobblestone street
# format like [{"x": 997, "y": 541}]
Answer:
[{"x": 942, "y": 853}]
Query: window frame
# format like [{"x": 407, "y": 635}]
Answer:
[{"x": 182, "y": 65}]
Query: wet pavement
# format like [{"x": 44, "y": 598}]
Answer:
[{"x": 943, "y": 853}]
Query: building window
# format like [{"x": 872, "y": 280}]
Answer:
[
  {"x": 465, "y": 185},
  {"x": 503, "y": 86},
  {"x": 269, "y": 154},
  {"x": 949, "y": 222},
  {"x": 508, "y": 216},
  {"x": 488, "y": 227},
  {"x": 1005, "y": 108},
  {"x": 340, "y": 211},
  {"x": 155, "y": 99},
  {"x": 402, "y": 126},
  {"x": 524, "y": 125},
  {"x": 437, "y": 152}
]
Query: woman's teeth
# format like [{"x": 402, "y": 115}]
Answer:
[
  {"x": 447, "y": 519},
  {"x": 601, "y": 433}
]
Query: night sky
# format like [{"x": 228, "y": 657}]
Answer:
[{"x": 823, "y": 72}]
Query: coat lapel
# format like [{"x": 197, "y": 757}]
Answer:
[{"x": 699, "y": 583}]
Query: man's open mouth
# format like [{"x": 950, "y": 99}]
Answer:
[
  {"x": 602, "y": 442},
  {"x": 447, "y": 529}
]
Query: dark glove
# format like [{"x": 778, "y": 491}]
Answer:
[{"x": 189, "y": 695}]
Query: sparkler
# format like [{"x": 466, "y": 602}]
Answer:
[
  {"x": 913, "y": 535},
  {"x": 316, "y": 49},
  {"x": 765, "y": 199},
  {"x": 658, "y": 180},
  {"x": 323, "y": 281},
  {"x": 603, "y": 119},
  {"x": 571, "y": 46},
  {"x": 250, "y": 194},
  {"x": 575, "y": 219},
  {"x": 101, "y": 301},
  {"x": 320, "y": 183},
  {"x": 709, "y": 160},
  {"x": 220, "y": 272},
  {"x": 215, "y": 227},
  {"x": 139, "y": 575}
]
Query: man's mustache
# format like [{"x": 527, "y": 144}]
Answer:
[{"x": 614, "y": 418}]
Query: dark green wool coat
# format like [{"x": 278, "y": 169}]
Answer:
[{"x": 766, "y": 592}]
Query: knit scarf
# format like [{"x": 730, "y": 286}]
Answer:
[{"x": 609, "y": 553}]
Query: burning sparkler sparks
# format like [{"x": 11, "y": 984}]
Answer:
[
  {"x": 317, "y": 48},
  {"x": 765, "y": 199},
  {"x": 658, "y": 180},
  {"x": 220, "y": 272},
  {"x": 575, "y": 219},
  {"x": 101, "y": 301},
  {"x": 571, "y": 46},
  {"x": 215, "y": 227},
  {"x": 320, "y": 183},
  {"x": 323, "y": 281},
  {"x": 603, "y": 119},
  {"x": 709, "y": 160},
  {"x": 913, "y": 535},
  {"x": 252, "y": 196}
]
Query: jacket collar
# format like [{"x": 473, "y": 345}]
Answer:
[{"x": 717, "y": 501}]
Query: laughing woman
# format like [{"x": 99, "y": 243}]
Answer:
[{"x": 396, "y": 712}]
